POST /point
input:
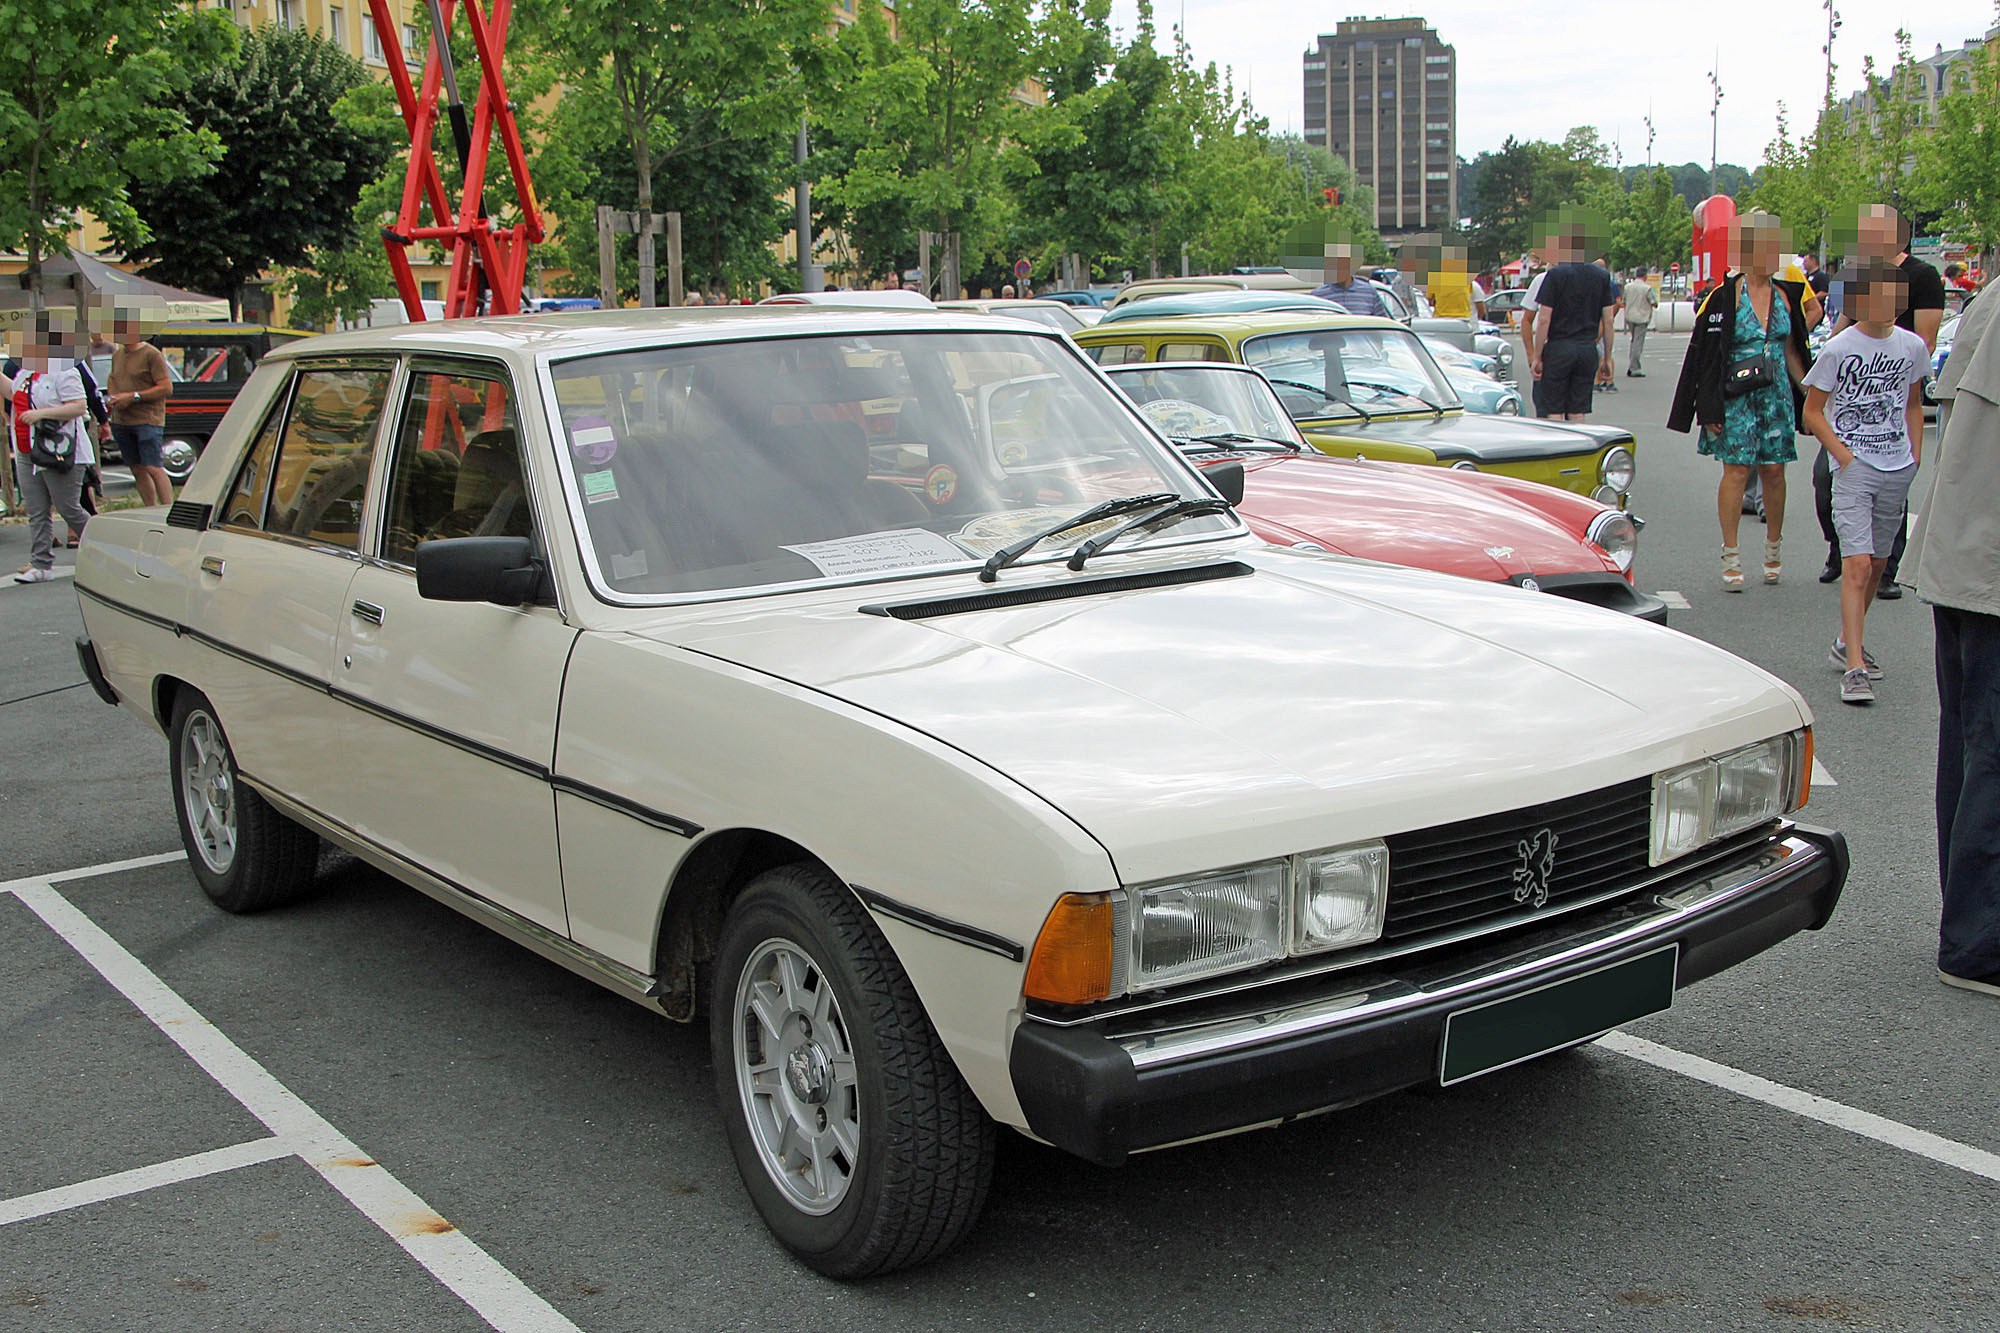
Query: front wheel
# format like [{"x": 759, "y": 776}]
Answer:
[
  {"x": 859, "y": 1143},
  {"x": 246, "y": 856}
]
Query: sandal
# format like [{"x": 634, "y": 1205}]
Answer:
[
  {"x": 1732, "y": 570},
  {"x": 1773, "y": 567}
]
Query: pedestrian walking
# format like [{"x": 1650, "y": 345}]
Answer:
[
  {"x": 1865, "y": 405},
  {"x": 48, "y": 390},
  {"x": 1640, "y": 303},
  {"x": 1572, "y": 325},
  {"x": 1880, "y": 232},
  {"x": 1355, "y": 295},
  {"x": 1607, "y": 379},
  {"x": 1740, "y": 380},
  {"x": 1955, "y": 552}
]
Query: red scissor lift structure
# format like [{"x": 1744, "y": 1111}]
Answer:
[{"x": 488, "y": 264}]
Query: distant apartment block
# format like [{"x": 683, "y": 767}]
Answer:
[{"x": 1382, "y": 94}]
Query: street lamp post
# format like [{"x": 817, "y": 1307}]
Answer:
[{"x": 1714, "y": 118}]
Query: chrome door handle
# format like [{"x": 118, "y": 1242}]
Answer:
[
  {"x": 369, "y": 612},
  {"x": 212, "y": 564}
]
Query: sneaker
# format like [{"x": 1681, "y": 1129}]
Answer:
[
  {"x": 1889, "y": 591},
  {"x": 1986, "y": 985},
  {"x": 1855, "y": 687},
  {"x": 33, "y": 575},
  {"x": 1838, "y": 656}
]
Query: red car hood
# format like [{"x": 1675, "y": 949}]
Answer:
[{"x": 1423, "y": 517}]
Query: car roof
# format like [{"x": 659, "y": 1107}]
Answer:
[
  {"x": 615, "y": 330},
  {"x": 222, "y": 328},
  {"x": 1241, "y": 324},
  {"x": 1214, "y": 302}
]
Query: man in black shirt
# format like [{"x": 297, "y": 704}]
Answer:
[
  {"x": 1573, "y": 326},
  {"x": 1882, "y": 233},
  {"x": 1815, "y": 276}
]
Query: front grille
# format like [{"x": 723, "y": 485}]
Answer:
[{"x": 1479, "y": 871}]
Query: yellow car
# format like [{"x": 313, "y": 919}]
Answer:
[{"x": 1368, "y": 388}]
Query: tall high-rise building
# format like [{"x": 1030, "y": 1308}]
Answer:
[{"x": 1382, "y": 94}]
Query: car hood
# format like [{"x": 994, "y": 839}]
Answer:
[
  {"x": 1305, "y": 702},
  {"x": 1477, "y": 436},
  {"x": 1408, "y": 517}
]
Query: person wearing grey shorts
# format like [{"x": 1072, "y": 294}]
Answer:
[{"x": 1864, "y": 403}]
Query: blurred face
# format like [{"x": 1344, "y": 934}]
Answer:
[
  {"x": 1875, "y": 301},
  {"x": 1340, "y": 262},
  {"x": 1757, "y": 244},
  {"x": 1875, "y": 233}
]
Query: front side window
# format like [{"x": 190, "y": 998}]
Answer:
[
  {"x": 752, "y": 464},
  {"x": 457, "y": 467},
  {"x": 321, "y": 473}
]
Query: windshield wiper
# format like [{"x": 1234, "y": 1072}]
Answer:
[
  {"x": 1164, "y": 516},
  {"x": 1008, "y": 554},
  {"x": 1228, "y": 437},
  {"x": 1324, "y": 397},
  {"x": 1436, "y": 411}
]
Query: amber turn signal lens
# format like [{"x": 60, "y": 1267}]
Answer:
[
  {"x": 1805, "y": 770},
  {"x": 1071, "y": 962}
]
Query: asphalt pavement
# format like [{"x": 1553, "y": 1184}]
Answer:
[{"x": 365, "y": 1112}]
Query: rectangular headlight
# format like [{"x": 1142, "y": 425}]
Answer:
[
  {"x": 1698, "y": 803},
  {"x": 1340, "y": 897},
  {"x": 1206, "y": 924}
]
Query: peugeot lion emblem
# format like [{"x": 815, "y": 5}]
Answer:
[{"x": 1537, "y": 868}]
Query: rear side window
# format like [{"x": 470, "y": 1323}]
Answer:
[
  {"x": 321, "y": 475},
  {"x": 1116, "y": 354},
  {"x": 1193, "y": 352},
  {"x": 245, "y": 506}
]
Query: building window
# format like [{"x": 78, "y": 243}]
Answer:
[
  {"x": 1437, "y": 60},
  {"x": 1437, "y": 175},
  {"x": 413, "y": 46},
  {"x": 1315, "y": 64},
  {"x": 336, "y": 26},
  {"x": 288, "y": 13},
  {"x": 1437, "y": 76},
  {"x": 1436, "y": 125},
  {"x": 427, "y": 291},
  {"x": 1413, "y": 41},
  {"x": 371, "y": 42}
]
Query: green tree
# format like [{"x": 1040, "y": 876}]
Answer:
[
  {"x": 1654, "y": 227},
  {"x": 89, "y": 105},
  {"x": 291, "y": 172},
  {"x": 671, "y": 79},
  {"x": 1959, "y": 161},
  {"x": 915, "y": 126}
]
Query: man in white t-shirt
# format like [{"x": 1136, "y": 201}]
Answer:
[
  {"x": 1529, "y": 308},
  {"x": 1865, "y": 404},
  {"x": 48, "y": 388}
]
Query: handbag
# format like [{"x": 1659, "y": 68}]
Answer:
[
  {"x": 51, "y": 444},
  {"x": 1747, "y": 375}
]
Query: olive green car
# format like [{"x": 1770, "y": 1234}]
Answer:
[{"x": 1368, "y": 388}]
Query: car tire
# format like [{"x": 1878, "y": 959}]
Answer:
[
  {"x": 859, "y": 1143},
  {"x": 246, "y": 856}
]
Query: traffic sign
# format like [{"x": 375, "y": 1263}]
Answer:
[
  {"x": 1022, "y": 268},
  {"x": 1674, "y": 267}
]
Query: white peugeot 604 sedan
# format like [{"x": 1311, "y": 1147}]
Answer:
[{"x": 877, "y": 687}]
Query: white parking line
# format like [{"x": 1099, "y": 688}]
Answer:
[
  {"x": 500, "y": 1298},
  {"x": 1947, "y": 1152},
  {"x": 1820, "y": 777},
  {"x": 139, "y": 1179},
  {"x": 1674, "y": 601}
]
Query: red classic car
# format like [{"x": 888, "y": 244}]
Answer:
[{"x": 1475, "y": 524}]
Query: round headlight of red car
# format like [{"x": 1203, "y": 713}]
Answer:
[{"x": 1617, "y": 536}]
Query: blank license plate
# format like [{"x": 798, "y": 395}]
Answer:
[{"x": 1505, "y": 1032}]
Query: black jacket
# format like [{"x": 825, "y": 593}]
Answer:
[{"x": 1698, "y": 397}]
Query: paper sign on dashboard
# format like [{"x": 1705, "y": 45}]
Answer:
[{"x": 902, "y": 548}]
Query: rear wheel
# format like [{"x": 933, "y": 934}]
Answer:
[
  {"x": 858, "y": 1141},
  {"x": 245, "y": 855}
]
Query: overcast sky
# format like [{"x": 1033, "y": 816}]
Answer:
[{"x": 1591, "y": 62}]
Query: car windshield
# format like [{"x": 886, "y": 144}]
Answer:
[
  {"x": 1332, "y": 372},
  {"x": 1224, "y": 408},
  {"x": 760, "y": 463}
]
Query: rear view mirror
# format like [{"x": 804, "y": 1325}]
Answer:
[
  {"x": 1227, "y": 478},
  {"x": 501, "y": 570}
]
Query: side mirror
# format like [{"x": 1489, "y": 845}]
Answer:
[
  {"x": 1227, "y": 478},
  {"x": 501, "y": 570}
]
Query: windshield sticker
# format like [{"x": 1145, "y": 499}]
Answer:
[
  {"x": 599, "y": 486},
  {"x": 1013, "y": 453},
  {"x": 940, "y": 484},
  {"x": 631, "y": 566},
  {"x": 989, "y": 532},
  {"x": 901, "y": 548},
  {"x": 593, "y": 441}
]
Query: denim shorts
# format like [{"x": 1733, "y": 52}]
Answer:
[
  {"x": 1868, "y": 507},
  {"x": 139, "y": 445}
]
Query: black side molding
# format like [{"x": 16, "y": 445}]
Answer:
[{"x": 1055, "y": 592}]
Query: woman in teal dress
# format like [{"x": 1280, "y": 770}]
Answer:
[{"x": 1757, "y": 427}]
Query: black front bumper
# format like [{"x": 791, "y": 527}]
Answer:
[
  {"x": 86, "y": 657},
  {"x": 1108, "y": 1088}
]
